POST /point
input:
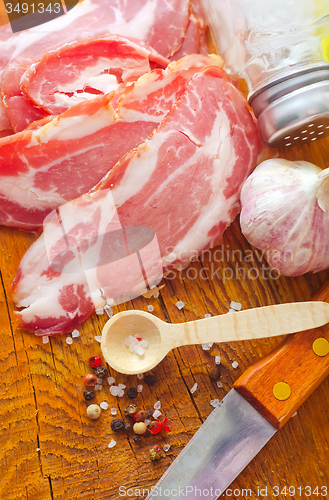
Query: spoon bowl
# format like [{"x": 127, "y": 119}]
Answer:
[{"x": 260, "y": 322}]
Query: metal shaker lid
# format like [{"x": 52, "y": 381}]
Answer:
[{"x": 293, "y": 109}]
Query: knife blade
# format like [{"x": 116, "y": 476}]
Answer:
[{"x": 261, "y": 401}]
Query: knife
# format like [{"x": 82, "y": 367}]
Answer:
[{"x": 261, "y": 402}]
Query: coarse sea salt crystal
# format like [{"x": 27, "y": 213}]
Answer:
[
  {"x": 156, "y": 413},
  {"x": 121, "y": 393},
  {"x": 69, "y": 340},
  {"x": 121, "y": 386},
  {"x": 156, "y": 294},
  {"x": 180, "y": 304},
  {"x": 140, "y": 376},
  {"x": 99, "y": 381},
  {"x": 236, "y": 306},
  {"x": 109, "y": 311},
  {"x": 207, "y": 315},
  {"x": 140, "y": 350},
  {"x": 219, "y": 384},
  {"x": 110, "y": 380},
  {"x": 98, "y": 387},
  {"x": 217, "y": 360},
  {"x": 157, "y": 405},
  {"x": 231, "y": 311},
  {"x": 99, "y": 312},
  {"x": 294, "y": 414},
  {"x": 166, "y": 447},
  {"x": 75, "y": 334},
  {"x": 207, "y": 346},
  {"x": 104, "y": 405},
  {"x": 144, "y": 343},
  {"x": 235, "y": 364},
  {"x": 139, "y": 388},
  {"x": 114, "y": 390},
  {"x": 214, "y": 403},
  {"x": 150, "y": 308},
  {"x": 98, "y": 338},
  {"x": 45, "y": 339},
  {"x": 147, "y": 421},
  {"x": 114, "y": 411},
  {"x": 194, "y": 388},
  {"x": 112, "y": 443}
]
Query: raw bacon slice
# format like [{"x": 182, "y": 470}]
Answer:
[
  {"x": 44, "y": 167},
  {"x": 78, "y": 71},
  {"x": 184, "y": 183}
]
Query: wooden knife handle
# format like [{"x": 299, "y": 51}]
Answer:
[{"x": 292, "y": 367}]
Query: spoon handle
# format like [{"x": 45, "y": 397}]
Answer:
[{"x": 260, "y": 322}]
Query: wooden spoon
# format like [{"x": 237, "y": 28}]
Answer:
[{"x": 254, "y": 323}]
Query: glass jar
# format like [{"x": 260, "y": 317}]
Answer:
[{"x": 281, "y": 49}]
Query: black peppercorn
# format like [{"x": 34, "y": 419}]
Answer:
[
  {"x": 89, "y": 394},
  {"x": 150, "y": 379},
  {"x": 128, "y": 426},
  {"x": 130, "y": 410},
  {"x": 215, "y": 373},
  {"x": 137, "y": 437},
  {"x": 101, "y": 372},
  {"x": 132, "y": 393},
  {"x": 117, "y": 425}
]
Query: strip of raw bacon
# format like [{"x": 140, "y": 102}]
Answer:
[
  {"x": 44, "y": 167},
  {"x": 74, "y": 73},
  {"x": 184, "y": 183}
]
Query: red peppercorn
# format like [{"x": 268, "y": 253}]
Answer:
[
  {"x": 90, "y": 380},
  {"x": 95, "y": 361}
]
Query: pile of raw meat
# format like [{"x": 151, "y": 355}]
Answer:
[{"x": 126, "y": 143}]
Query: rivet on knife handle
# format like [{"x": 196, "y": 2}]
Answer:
[{"x": 301, "y": 361}]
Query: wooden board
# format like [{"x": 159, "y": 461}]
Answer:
[{"x": 50, "y": 449}]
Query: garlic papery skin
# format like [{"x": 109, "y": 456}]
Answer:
[{"x": 285, "y": 213}]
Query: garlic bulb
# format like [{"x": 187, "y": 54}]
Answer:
[{"x": 285, "y": 213}]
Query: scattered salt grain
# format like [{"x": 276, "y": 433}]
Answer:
[
  {"x": 99, "y": 312},
  {"x": 75, "y": 334},
  {"x": 140, "y": 376},
  {"x": 150, "y": 308},
  {"x": 139, "y": 388},
  {"x": 99, "y": 381},
  {"x": 112, "y": 443},
  {"x": 207, "y": 346},
  {"x": 110, "y": 380},
  {"x": 45, "y": 339},
  {"x": 157, "y": 405},
  {"x": 156, "y": 294},
  {"x": 147, "y": 421},
  {"x": 231, "y": 311},
  {"x": 180, "y": 304},
  {"x": 219, "y": 384},
  {"x": 104, "y": 405},
  {"x": 38, "y": 449},
  {"x": 69, "y": 340},
  {"x": 294, "y": 414},
  {"x": 109, "y": 311},
  {"x": 235, "y": 364},
  {"x": 121, "y": 386},
  {"x": 98, "y": 387},
  {"x": 113, "y": 411},
  {"x": 207, "y": 315},
  {"x": 194, "y": 388},
  {"x": 114, "y": 390},
  {"x": 166, "y": 447},
  {"x": 214, "y": 403},
  {"x": 121, "y": 393},
  {"x": 98, "y": 338},
  {"x": 217, "y": 360},
  {"x": 236, "y": 306},
  {"x": 156, "y": 413}
]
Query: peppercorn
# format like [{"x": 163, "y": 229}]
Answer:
[
  {"x": 130, "y": 410},
  {"x": 132, "y": 393},
  {"x": 93, "y": 411},
  {"x": 150, "y": 379},
  {"x": 90, "y": 380},
  {"x": 149, "y": 413},
  {"x": 140, "y": 416},
  {"x": 128, "y": 426},
  {"x": 117, "y": 425},
  {"x": 155, "y": 453},
  {"x": 139, "y": 428},
  {"x": 215, "y": 373},
  {"x": 101, "y": 372},
  {"x": 137, "y": 437},
  {"x": 89, "y": 394},
  {"x": 95, "y": 361}
]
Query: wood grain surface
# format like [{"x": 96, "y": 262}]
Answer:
[{"x": 50, "y": 449}]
